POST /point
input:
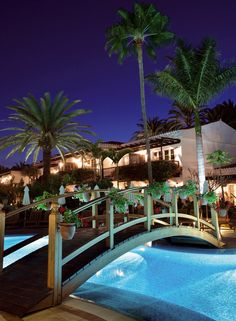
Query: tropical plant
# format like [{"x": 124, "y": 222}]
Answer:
[
  {"x": 157, "y": 189},
  {"x": 97, "y": 153},
  {"x": 225, "y": 111},
  {"x": 71, "y": 217},
  {"x": 188, "y": 189},
  {"x": 155, "y": 126},
  {"x": 219, "y": 158},
  {"x": 162, "y": 170},
  {"x": 192, "y": 79},
  {"x": 120, "y": 202},
  {"x": 43, "y": 125},
  {"x": 210, "y": 197},
  {"x": 180, "y": 117},
  {"x": 115, "y": 156},
  {"x": 44, "y": 196},
  {"x": 144, "y": 27}
]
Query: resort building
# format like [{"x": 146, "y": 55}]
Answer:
[{"x": 176, "y": 146}]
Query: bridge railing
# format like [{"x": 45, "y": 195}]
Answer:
[{"x": 149, "y": 218}]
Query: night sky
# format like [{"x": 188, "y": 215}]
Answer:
[{"x": 53, "y": 45}]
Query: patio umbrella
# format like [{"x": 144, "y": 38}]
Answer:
[
  {"x": 62, "y": 200},
  {"x": 97, "y": 194},
  {"x": 25, "y": 201},
  {"x": 26, "y": 198}
]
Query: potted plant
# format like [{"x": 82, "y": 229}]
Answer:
[
  {"x": 209, "y": 197},
  {"x": 70, "y": 221},
  {"x": 157, "y": 189},
  {"x": 188, "y": 189},
  {"x": 120, "y": 202}
]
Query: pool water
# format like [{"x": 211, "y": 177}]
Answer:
[
  {"x": 12, "y": 240},
  {"x": 202, "y": 280}
]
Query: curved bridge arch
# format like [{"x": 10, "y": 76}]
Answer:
[{"x": 121, "y": 248}]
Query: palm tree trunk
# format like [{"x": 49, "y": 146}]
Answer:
[
  {"x": 46, "y": 164},
  {"x": 143, "y": 106},
  {"x": 200, "y": 153}
]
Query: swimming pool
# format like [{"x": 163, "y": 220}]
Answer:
[
  {"x": 11, "y": 240},
  {"x": 147, "y": 281}
]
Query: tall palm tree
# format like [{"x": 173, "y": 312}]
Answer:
[
  {"x": 180, "y": 117},
  {"x": 115, "y": 156},
  {"x": 43, "y": 125},
  {"x": 225, "y": 111},
  {"x": 192, "y": 79},
  {"x": 155, "y": 126},
  {"x": 144, "y": 27}
]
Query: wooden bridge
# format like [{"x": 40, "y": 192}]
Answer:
[{"x": 45, "y": 277}]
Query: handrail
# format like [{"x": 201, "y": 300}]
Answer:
[{"x": 70, "y": 194}]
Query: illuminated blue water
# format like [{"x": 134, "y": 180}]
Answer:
[
  {"x": 12, "y": 240},
  {"x": 202, "y": 280}
]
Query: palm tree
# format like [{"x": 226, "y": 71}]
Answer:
[
  {"x": 192, "y": 79},
  {"x": 181, "y": 117},
  {"x": 155, "y": 126},
  {"x": 225, "y": 111},
  {"x": 115, "y": 156},
  {"x": 96, "y": 152},
  {"x": 143, "y": 27},
  {"x": 43, "y": 125}
]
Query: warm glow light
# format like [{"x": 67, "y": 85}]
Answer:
[
  {"x": 54, "y": 170},
  {"x": 77, "y": 161},
  {"x": 6, "y": 179},
  {"x": 61, "y": 164}
]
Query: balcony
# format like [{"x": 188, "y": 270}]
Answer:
[{"x": 162, "y": 170}]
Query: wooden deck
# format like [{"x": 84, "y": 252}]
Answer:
[{"x": 24, "y": 283}]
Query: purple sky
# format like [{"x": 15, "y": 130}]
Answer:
[{"x": 53, "y": 45}]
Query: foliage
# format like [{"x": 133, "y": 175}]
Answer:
[
  {"x": 219, "y": 158},
  {"x": 12, "y": 191},
  {"x": 226, "y": 111},
  {"x": 157, "y": 189},
  {"x": 43, "y": 206},
  {"x": 45, "y": 125},
  {"x": 52, "y": 186},
  {"x": 193, "y": 77},
  {"x": 102, "y": 184},
  {"x": 188, "y": 189},
  {"x": 144, "y": 27},
  {"x": 155, "y": 126},
  {"x": 210, "y": 197},
  {"x": 71, "y": 217},
  {"x": 140, "y": 199},
  {"x": 120, "y": 202},
  {"x": 162, "y": 170},
  {"x": 82, "y": 175}
]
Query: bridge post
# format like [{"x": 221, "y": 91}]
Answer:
[
  {"x": 145, "y": 207},
  {"x": 175, "y": 209},
  {"x": 215, "y": 223},
  {"x": 196, "y": 211},
  {"x": 2, "y": 234},
  {"x": 94, "y": 210},
  {"x": 111, "y": 225},
  {"x": 54, "y": 256},
  {"x": 149, "y": 212}
]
